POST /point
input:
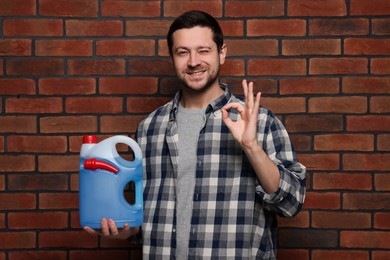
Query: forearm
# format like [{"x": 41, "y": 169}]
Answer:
[{"x": 266, "y": 171}]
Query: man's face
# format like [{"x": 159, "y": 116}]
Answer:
[{"x": 196, "y": 58}]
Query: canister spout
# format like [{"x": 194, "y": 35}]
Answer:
[{"x": 93, "y": 164}]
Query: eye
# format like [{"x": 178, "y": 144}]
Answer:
[
  {"x": 181, "y": 52},
  {"x": 204, "y": 51}
]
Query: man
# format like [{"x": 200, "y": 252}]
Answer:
[{"x": 217, "y": 170}]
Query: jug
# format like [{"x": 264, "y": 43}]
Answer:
[{"x": 103, "y": 177}]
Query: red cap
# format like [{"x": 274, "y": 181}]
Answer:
[{"x": 89, "y": 139}]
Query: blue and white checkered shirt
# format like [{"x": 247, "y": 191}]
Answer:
[{"x": 232, "y": 216}]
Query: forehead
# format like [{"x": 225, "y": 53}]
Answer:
[{"x": 193, "y": 37}]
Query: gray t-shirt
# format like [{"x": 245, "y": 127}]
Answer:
[{"x": 190, "y": 122}]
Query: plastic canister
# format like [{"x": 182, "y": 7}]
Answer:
[{"x": 103, "y": 177}]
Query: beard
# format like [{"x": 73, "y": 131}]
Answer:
[{"x": 203, "y": 82}]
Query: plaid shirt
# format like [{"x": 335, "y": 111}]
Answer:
[{"x": 232, "y": 216}]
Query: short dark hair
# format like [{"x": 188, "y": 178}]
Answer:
[{"x": 192, "y": 19}]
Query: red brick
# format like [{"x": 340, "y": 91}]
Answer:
[
  {"x": 375, "y": 85},
  {"x": 130, "y": 8},
  {"x": 60, "y": 163},
  {"x": 67, "y": 239},
  {"x": 365, "y": 239},
  {"x": 302, "y": 220},
  {"x": 341, "y": 220},
  {"x": 339, "y": 254},
  {"x": 361, "y": 46},
  {"x": 233, "y": 68},
  {"x": 320, "y": 161},
  {"x": 232, "y": 27},
  {"x": 342, "y": 181},
  {"x": 309, "y": 86},
  {"x": 20, "y": 163},
  {"x": 147, "y": 27},
  {"x": 285, "y": 105},
  {"x": 311, "y": 47},
  {"x": 381, "y": 220},
  {"x": 14, "y": 240},
  {"x": 368, "y": 123},
  {"x": 35, "y": 67},
  {"x": 301, "y": 142},
  {"x": 15, "y": 47},
  {"x": 116, "y": 124},
  {"x": 68, "y": 8},
  {"x": 380, "y": 65},
  {"x": 317, "y": 8},
  {"x": 17, "y": 86},
  {"x": 38, "y": 220},
  {"x": 126, "y": 86},
  {"x": 380, "y": 255},
  {"x": 58, "y": 201},
  {"x": 33, "y": 105},
  {"x": 382, "y": 181},
  {"x": 144, "y": 105},
  {"x": 33, "y": 27},
  {"x": 369, "y": 7},
  {"x": 2, "y": 188},
  {"x": 330, "y": 27},
  {"x": 338, "y": 66},
  {"x": 137, "y": 47},
  {"x": 67, "y": 86},
  {"x": 96, "y": 67},
  {"x": 383, "y": 142},
  {"x": 38, "y": 182},
  {"x": 17, "y": 201},
  {"x": 264, "y": 47},
  {"x": 317, "y": 123},
  {"x": 381, "y": 26},
  {"x": 94, "y": 28},
  {"x": 63, "y": 48},
  {"x": 254, "y": 8},
  {"x": 276, "y": 67},
  {"x": 380, "y": 104},
  {"x": 322, "y": 200},
  {"x": 176, "y": 8},
  {"x": 17, "y": 8},
  {"x": 299, "y": 238},
  {"x": 37, "y": 144},
  {"x": 88, "y": 105},
  {"x": 150, "y": 67},
  {"x": 100, "y": 254},
  {"x": 340, "y": 104},
  {"x": 18, "y": 124},
  {"x": 293, "y": 254},
  {"x": 367, "y": 162},
  {"x": 366, "y": 201},
  {"x": 289, "y": 27},
  {"x": 68, "y": 124},
  {"x": 23, "y": 255}
]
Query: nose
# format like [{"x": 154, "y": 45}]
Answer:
[{"x": 193, "y": 59}]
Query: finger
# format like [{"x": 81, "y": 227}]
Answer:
[
  {"x": 250, "y": 99},
  {"x": 256, "y": 106},
  {"x": 105, "y": 229},
  {"x": 91, "y": 231},
  {"x": 113, "y": 228}
]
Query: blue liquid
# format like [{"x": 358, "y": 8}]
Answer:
[{"x": 101, "y": 194}]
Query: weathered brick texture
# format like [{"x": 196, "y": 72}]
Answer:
[{"x": 74, "y": 67}]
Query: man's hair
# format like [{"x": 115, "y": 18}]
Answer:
[{"x": 192, "y": 19}]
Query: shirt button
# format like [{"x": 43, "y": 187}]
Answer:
[{"x": 196, "y": 196}]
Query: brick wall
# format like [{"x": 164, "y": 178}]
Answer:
[{"x": 75, "y": 67}]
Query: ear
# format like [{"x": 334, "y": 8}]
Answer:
[{"x": 222, "y": 54}]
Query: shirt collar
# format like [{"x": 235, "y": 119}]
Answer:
[{"x": 215, "y": 105}]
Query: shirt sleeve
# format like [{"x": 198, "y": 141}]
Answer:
[{"x": 289, "y": 198}]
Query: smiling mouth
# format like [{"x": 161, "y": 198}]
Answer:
[{"x": 196, "y": 73}]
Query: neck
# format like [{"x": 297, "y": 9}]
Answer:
[{"x": 193, "y": 99}]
